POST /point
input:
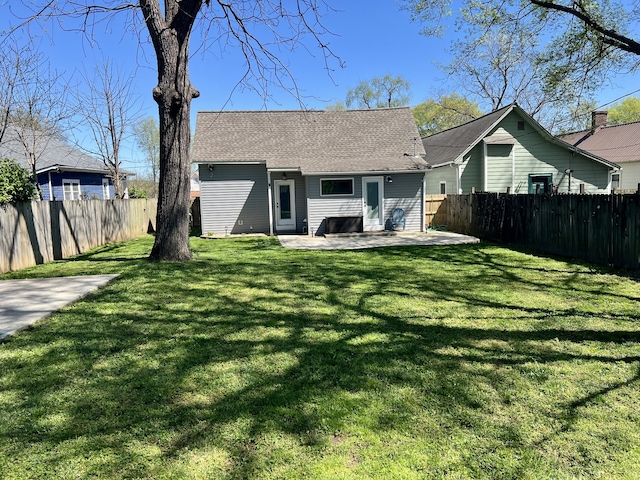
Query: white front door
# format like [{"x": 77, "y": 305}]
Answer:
[
  {"x": 372, "y": 204},
  {"x": 285, "y": 196}
]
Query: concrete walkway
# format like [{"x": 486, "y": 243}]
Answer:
[
  {"x": 24, "y": 302},
  {"x": 360, "y": 241}
]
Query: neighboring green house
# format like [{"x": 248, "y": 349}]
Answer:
[{"x": 508, "y": 151}]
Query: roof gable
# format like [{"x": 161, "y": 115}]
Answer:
[
  {"x": 447, "y": 146},
  {"x": 311, "y": 141}
]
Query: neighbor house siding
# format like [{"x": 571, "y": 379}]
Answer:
[
  {"x": 499, "y": 167},
  {"x": 534, "y": 154},
  {"x": 630, "y": 175},
  {"x": 471, "y": 170},
  {"x": 446, "y": 173},
  {"x": 234, "y": 199},
  {"x": 405, "y": 191},
  {"x": 90, "y": 185}
]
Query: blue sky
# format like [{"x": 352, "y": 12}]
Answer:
[{"x": 373, "y": 38}]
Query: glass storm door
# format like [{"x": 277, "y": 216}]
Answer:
[
  {"x": 285, "y": 204},
  {"x": 373, "y": 209}
]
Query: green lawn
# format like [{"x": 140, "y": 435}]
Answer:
[{"x": 256, "y": 362}]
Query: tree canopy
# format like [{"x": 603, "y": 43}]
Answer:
[
  {"x": 379, "y": 92},
  {"x": 549, "y": 56},
  {"x": 447, "y": 111},
  {"x": 626, "y": 111}
]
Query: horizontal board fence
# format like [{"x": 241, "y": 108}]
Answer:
[
  {"x": 38, "y": 232},
  {"x": 602, "y": 229},
  {"x": 435, "y": 210}
]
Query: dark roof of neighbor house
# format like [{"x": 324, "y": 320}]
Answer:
[
  {"x": 317, "y": 141},
  {"x": 52, "y": 154},
  {"x": 451, "y": 145},
  {"x": 616, "y": 143}
]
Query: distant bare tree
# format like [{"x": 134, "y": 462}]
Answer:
[
  {"x": 39, "y": 110},
  {"x": 109, "y": 107}
]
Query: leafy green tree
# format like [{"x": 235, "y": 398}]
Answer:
[
  {"x": 560, "y": 51},
  {"x": 15, "y": 183},
  {"x": 447, "y": 111},
  {"x": 379, "y": 92},
  {"x": 626, "y": 111}
]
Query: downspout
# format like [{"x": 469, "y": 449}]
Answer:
[
  {"x": 459, "y": 179},
  {"x": 270, "y": 199}
]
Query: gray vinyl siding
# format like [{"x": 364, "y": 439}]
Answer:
[
  {"x": 446, "y": 173},
  {"x": 405, "y": 191},
  {"x": 339, "y": 206},
  {"x": 234, "y": 194}
]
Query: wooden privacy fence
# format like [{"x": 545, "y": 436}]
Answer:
[
  {"x": 603, "y": 229},
  {"x": 435, "y": 210},
  {"x": 39, "y": 232}
]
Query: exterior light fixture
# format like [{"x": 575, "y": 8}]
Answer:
[{"x": 389, "y": 179}]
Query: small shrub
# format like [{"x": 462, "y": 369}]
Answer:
[
  {"x": 137, "y": 192},
  {"x": 16, "y": 184}
]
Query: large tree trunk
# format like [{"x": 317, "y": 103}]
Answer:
[{"x": 170, "y": 36}]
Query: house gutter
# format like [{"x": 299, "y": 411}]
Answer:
[{"x": 365, "y": 173}]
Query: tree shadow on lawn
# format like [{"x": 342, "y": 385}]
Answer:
[{"x": 231, "y": 351}]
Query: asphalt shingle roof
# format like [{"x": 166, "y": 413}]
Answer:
[
  {"x": 51, "y": 153},
  {"x": 446, "y": 146},
  {"x": 616, "y": 143},
  {"x": 312, "y": 141}
]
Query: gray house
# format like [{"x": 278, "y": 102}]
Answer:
[
  {"x": 311, "y": 172},
  {"x": 507, "y": 150}
]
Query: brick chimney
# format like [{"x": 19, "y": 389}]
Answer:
[{"x": 598, "y": 119}]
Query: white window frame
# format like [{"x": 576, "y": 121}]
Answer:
[
  {"x": 353, "y": 187},
  {"x": 106, "y": 191},
  {"x": 443, "y": 183},
  {"x": 75, "y": 190}
]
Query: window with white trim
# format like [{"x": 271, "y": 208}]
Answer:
[
  {"x": 336, "y": 186},
  {"x": 71, "y": 189},
  {"x": 615, "y": 181},
  {"x": 443, "y": 187}
]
